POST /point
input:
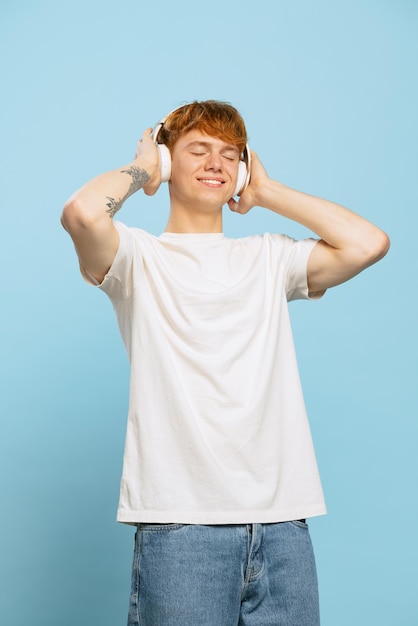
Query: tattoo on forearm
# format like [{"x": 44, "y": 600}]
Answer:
[
  {"x": 114, "y": 206},
  {"x": 139, "y": 179}
]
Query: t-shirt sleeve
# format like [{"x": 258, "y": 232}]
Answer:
[
  {"x": 119, "y": 281},
  {"x": 296, "y": 284}
]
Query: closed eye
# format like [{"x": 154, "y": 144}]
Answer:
[{"x": 230, "y": 155}]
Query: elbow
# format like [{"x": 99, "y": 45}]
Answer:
[
  {"x": 71, "y": 215},
  {"x": 380, "y": 246},
  {"x": 75, "y": 217},
  {"x": 374, "y": 249}
]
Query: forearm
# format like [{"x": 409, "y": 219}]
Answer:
[
  {"x": 336, "y": 225},
  {"x": 102, "y": 197}
]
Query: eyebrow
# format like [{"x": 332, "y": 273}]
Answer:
[{"x": 206, "y": 144}]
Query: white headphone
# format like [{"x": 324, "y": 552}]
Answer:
[{"x": 244, "y": 166}]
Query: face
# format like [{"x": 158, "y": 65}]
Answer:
[{"x": 204, "y": 170}]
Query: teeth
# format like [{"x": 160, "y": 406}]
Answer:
[{"x": 210, "y": 181}]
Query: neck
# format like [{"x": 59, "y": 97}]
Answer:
[{"x": 184, "y": 221}]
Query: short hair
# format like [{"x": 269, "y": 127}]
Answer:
[{"x": 211, "y": 117}]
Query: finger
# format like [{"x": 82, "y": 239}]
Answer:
[
  {"x": 233, "y": 204},
  {"x": 146, "y": 136},
  {"x": 147, "y": 133},
  {"x": 150, "y": 190}
]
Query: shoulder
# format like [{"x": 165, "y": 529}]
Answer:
[{"x": 273, "y": 243}]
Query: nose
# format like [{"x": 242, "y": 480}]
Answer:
[{"x": 214, "y": 162}]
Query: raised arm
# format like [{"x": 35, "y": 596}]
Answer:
[
  {"x": 349, "y": 243},
  {"x": 87, "y": 215}
]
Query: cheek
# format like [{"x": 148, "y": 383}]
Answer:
[
  {"x": 182, "y": 178},
  {"x": 184, "y": 168},
  {"x": 233, "y": 173}
]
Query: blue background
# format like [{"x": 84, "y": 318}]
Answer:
[{"x": 329, "y": 93}]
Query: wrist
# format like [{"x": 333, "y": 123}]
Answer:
[{"x": 271, "y": 195}]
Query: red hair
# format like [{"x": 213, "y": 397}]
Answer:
[{"x": 211, "y": 117}]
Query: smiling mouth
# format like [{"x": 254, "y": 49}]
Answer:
[{"x": 213, "y": 182}]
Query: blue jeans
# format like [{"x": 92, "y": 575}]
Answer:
[{"x": 244, "y": 575}]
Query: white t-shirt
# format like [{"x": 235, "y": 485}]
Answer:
[{"x": 217, "y": 430}]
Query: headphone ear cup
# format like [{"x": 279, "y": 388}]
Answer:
[
  {"x": 241, "y": 178},
  {"x": 164, "y": 162}
]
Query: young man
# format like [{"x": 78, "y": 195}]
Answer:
[{"x": 219, "y": 471}]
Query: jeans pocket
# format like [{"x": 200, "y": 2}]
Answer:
[{"x": 300, "y": 523}]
